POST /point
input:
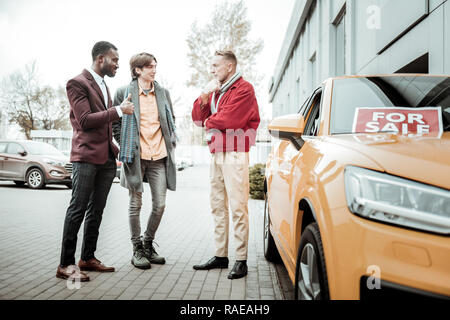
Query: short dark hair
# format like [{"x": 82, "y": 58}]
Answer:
[
  {"x": 140, "y": 61},
  {"x": 228, "y": 55},
  {"x": 101, "y": 47}
]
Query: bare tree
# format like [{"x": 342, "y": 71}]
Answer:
[
  {"x": 227, "y": 30},
  {"x": 175, "y": 98},
  {"x": 31, "y": 105}
]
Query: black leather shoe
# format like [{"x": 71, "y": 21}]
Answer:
[
  {"x": 239, "y": 270},
  {"x": 214, "y": 263}
]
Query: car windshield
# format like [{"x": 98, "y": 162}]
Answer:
[
  {"x": 41, "y": 148},
  {"x": 399, "y": 104}
]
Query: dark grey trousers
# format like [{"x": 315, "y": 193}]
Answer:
[
  {"x": 90, "y": 187},
  {"x": 155, "y": 172}
]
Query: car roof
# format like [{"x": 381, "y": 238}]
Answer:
[
  {"x": 23, "y": 142},
  {"x": 392, "y": 75}
]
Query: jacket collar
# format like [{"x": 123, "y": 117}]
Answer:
[
  {"x": 96, "y": 76},
  {"x": 94, "y": 84},
  {"x": 238, "y": 81}
]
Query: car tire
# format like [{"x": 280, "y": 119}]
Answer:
[
  {"x": 270, "y": 250},
  {"x": 19, "y": 183},
  {"x": 311, "y": 265},
  {"x": 35, "y": 179}
]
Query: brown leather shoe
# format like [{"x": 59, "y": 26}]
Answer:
[
  {"x": 94, "y": 265},
  {"x": 72, "y": 272}
]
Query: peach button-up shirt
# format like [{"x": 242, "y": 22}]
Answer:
[{"x": 153, "y": 146}]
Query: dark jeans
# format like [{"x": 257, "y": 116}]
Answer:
[
  {"x": 90, "y": 187},
  {"x": 155, "y": 171}
]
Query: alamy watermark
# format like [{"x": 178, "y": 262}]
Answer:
[
  {"x": 374, "y": 19},
  {"x": 73, "y": 282},
  {"x": 374, "y": 280}
]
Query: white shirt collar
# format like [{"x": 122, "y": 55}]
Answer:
[{"x": 97, "y": 77}]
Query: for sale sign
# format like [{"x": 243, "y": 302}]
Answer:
[{"x": 406, "y": 121}]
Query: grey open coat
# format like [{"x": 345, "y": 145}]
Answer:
[{"x": 131, "y": 175}]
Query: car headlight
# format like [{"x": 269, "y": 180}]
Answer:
[
  {"x": 394, "y": 200},
  {"x": 54, "y": 162}
]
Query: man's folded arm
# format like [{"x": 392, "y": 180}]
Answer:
[
  {"x": 236, "y": 113},
  {"x": 200, "y": 112}
]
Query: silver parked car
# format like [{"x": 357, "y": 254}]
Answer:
[{"x": 34, "y": 163}]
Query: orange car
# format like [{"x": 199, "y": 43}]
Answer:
[{"x": 357, "y": 189}]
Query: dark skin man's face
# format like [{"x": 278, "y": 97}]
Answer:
[{"x": 108, "y": 63}]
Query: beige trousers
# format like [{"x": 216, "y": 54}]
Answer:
[{"x": 230, "y": 188}]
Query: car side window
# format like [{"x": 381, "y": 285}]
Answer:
[
  {"x": 312, "y": 122},
  {"x": 302, "y": 109},
  {"x": 14, "y": 148},
  {"x": 3, "y": 147}
]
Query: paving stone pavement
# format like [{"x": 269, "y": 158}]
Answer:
[{"x": 31, "y": 223}]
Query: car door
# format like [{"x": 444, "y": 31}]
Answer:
[
  {"x": 3, "y": 146},
  {"x": 14, "y": 163},
  {"x": 277, "y": 188},
  {"x": 283, "y": 188}
]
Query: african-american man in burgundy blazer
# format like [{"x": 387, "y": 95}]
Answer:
[{"x": 94, "y": 160}]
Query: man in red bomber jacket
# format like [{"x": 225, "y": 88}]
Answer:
[{"x": 228, "y": 109}]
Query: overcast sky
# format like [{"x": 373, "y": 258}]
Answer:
[{"x": 59, "y": 35}]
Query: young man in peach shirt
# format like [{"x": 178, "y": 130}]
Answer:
[{"x": 150, "y": 156}]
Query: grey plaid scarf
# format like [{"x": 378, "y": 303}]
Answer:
[{"x": 128, "y": 135}]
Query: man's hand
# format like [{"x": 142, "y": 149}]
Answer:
[
  {"x": 211, "y": 87},
  {"x": 127, "y": 106}
]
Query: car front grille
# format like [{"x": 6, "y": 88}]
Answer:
[{"x": 68, "y": 167}]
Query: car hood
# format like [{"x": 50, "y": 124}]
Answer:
[{"x": 424, "y": 159}]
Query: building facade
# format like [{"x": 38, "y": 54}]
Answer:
[
  {"x": 60, "y": 139},
  {"x": 327, "y": 38}
]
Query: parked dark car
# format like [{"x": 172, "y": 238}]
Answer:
[{"x": 34, "y": 163}]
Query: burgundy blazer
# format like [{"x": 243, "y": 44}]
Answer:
[{"x": 91, "y": 120}]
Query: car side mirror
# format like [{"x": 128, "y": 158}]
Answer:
[
  {"x": 289, "y": 128},
  {"x": 23, "y": 153}
]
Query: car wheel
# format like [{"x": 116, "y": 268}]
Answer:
[
  {"x": 311, "y": 281},
  {"x": 270, "y": 250},
  {"x": 19, "y": 183},
  {"x": 35, "y": 179}
]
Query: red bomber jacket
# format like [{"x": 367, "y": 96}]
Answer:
[{"x": 234, "y": 126}]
